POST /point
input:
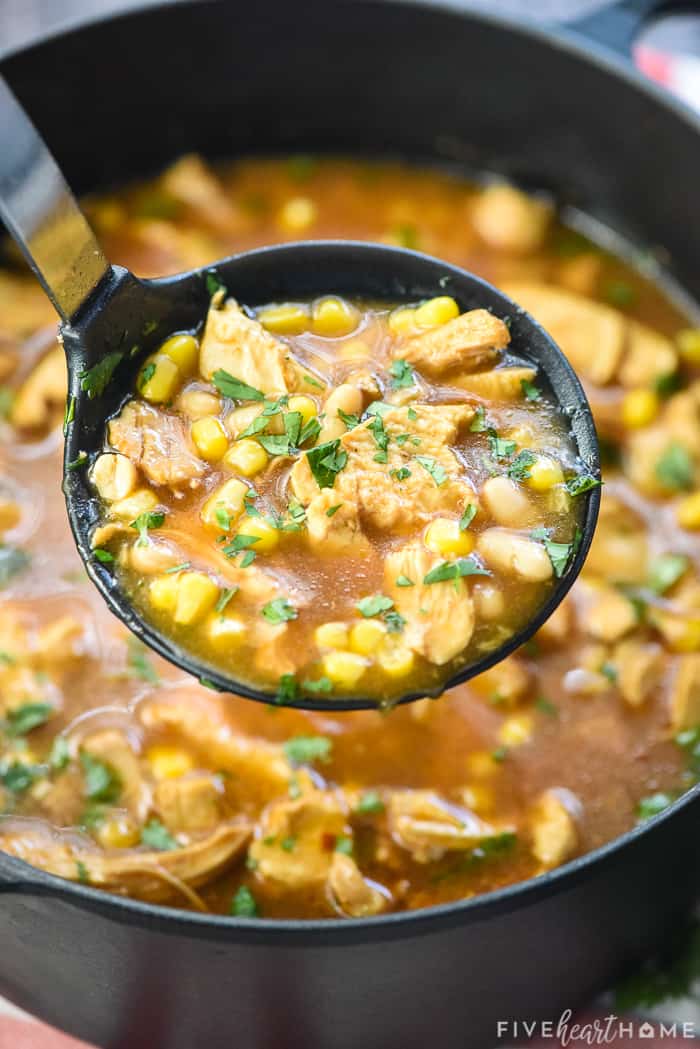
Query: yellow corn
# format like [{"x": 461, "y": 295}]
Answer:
[
  {"x": 246, "y": 457},
  {"x": 545, "y": 473},
  {"x": 267, "y": 535},
  {"x": 639, "y": 408},
  {"x": 10, "y": 515},
  {"x": 226, "y": 501},
  {"x": 297, "y": 214},
  {"x": 210, "y": 438},
  {"x": 158, "y": 379},
  {"x": 366, "y": 636},
  {"x": 688, "y": 342},
  {"x": 183, "y": 351},
  {"x": 516, "y": 730},
  {"x": 333, "y": 317},
  {"x": 196, "y": 595},
  {"x": 118, "y": 832},
  {"x": 290, "y": 318},
  {"x": 139, "y": 502},
  {"x": 224, "y": 631},
  {"x": 306, "y": 407},
  {"x": 681, "y": 633},
  {"x": 688, "y": 512},
  {"x": 443, "y": 536},
  {"x": 396, "y": 660},
  {"x": 162, "y": 593},
  {"x": 168, "y": 762},
  {"x": 331, "y": 635},
  {"x": 402, "y": 322},
  {"x": 344, "y": 668},
  {"x": 436, "y": 312}
]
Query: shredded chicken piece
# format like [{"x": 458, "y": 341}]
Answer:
[
  {"x": 509, "y": 220},
  {"x": 295, "y": 840},
  {"x": 113, "y": 748},
  {"x": 499, "y": 384},
  {"x": 468, "y": 342},
  {"x": 191, "y": 181},
  {"x": 427, "y": 826},
  {"x": 340, "y": 533},
  {"x": 42, "y": 394},
  {"x": 639, "y": 666},
  {"x": 234, "y": 343},
  {"x": 553, "y": 827},
  {"x": 147, "y": 875},
  {"x": 685, "y": 693},
  {"x": 352, "y": 893},
  {"x": 439, "y": 616},
  {"x": 189, "y": 803},
  {"x": 156, "y": 442},
  {"x": 607, "y": 615}
]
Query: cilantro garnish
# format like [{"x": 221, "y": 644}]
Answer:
[
  {"x": 434, "y": 468},
  {"x": 350, "y": 420},
  {"x": 400, "y": 474},
  {"x": 18, "y": 777},
  {"x": 675, "y": 468},
  {"x": 94, "y": 380},
  {"x": 401, "y": 374},
  {"x": 139, "y": 662},
  {"x": 530, "y": 391},
  {"x": 80, "y": 460},
  {"x": 213, "y": 283},
  {"x": 148, "y": 519},
  {"x": 243, "y": 904},
  {"x": 224, "y": 597},
  {"x": 279, "y": 610},
  {"x": 369, "y": 803},
  {"x": 559, "y": 554},
  {"x": 69, "y": 414},
  {"x": 403, "y": 580},
  {"x": 103, "y": 556},
  {"x": 519, "y": 469},
  {"x": 223, "y": 517},
  {"x": 381, "y": 437},
  {"x": 446, "y": 570},
  {"x": 101, "y": 781},
  {"x": 322, "y": 684},
  {"x": 581, "y": 483},
  {"x": 230, "y": 386},
  {"x": 147, "y": 374},
  {"x": 313, "y": 382},
  {"x": 325, "y": 461},
  {"x": 238, "y": 543},
  {"x": 287, "y": 689},
  {"x": 666, "y": 570},
  {"x": 157, "y": 837},
  {"x": 478, "y": 423},
  {"x": 500, "y": 448},
  {"x": 29, "y": 716},
  {"x": 467, "y": 517},
  {"x": 374, "y": 606},
  {"x": 333, "y": 509},
  {"x": 304, "y": 750},
  {"x": 344, "y": 845}
]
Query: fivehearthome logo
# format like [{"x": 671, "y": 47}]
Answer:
[{"x": 600, "y": 1030}]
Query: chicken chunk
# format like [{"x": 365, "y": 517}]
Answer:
[
  {"x": 385, "y": 500},
  {"x": 295, "y": 840},
  {"x": 42, "y": 394},
  {"x": 468, "y": 342},
  {"x": 113, "y": 748},
  {"x": 194, "y": 184},
  {"x": 352, "y": 893},
  {"x": 427, "y": 826},
  {"x": 156, "y": 442},
  {"x": 619, "y": 552},
  {"x": 499, "y": 384},
  {"x": 509, "y": 220},
  {"x": 553, "y": 827},
  {"x": 189, "y": 803},
  {"x": 439, "y": 616},
  {"x": 608, "y": 615},
  {"x": 639, "y": 666},
  {"x": 507, "y": 683},
  {"x": 685, "y": 694},
  {"x": 338, "y": 533},
  {"x": 243, "y": 348}
]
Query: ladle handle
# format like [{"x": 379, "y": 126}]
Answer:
[{"x": 42, "y": 215}]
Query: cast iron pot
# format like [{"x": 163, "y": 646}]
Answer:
[{"x": 122, "y": 97}]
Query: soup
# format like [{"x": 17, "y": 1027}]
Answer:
[
  {"x": 119, "y": 771},
  {"x": 339, "y": 498}
]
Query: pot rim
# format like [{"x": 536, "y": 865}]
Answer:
[{"x": 19, "y": 876}]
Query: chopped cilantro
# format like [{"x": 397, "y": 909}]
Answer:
[
  {"x": 18, "y": 777},
  {"x": 665, "y": 571},
  {"x": 559, "y": 554},
  {"x": 243, "y": 904},
  {"x": 275, "y": 444},
  {"x": 101, "y": 781},
  {"x": 288, "y": 844},
  {"x": 500, "y": 448},
  {"x": 139, "y": 662},
  {"x": 478, "y": 423},
  {"x": 304, "y": 750},
  {"x": 147, "y": 374},
  {"x": 653, "y": 805},
  {"x": 94, "y": 380},
  {"x": 12, "y": 562},
  {"x": 238, "y": 543},
  {"x": 467, "y": 517},
  {"x": 581, "y": 483},
  {"x": 530, "y": 391},
  {"x": 60, "y": 754},
  {"x": 401, "y": 374},
  {"x": 350, "y": 420},
  {"x": 80, "y": 460},
  {"x": 447, "y": 570},
  {"x": 412, "y": 414},
  {"x": 344, "y": 845},
  {"x": 325, "y": 461},
  {"x": 82, "y": 872},
  {"x": 369, "y": 803},
  {"x": 287, "y": 689},
  {"x": 157, "y": 837},
  {"x": 292, "y": 427},
  {"x": 609, "y": 670},
  {"x": 309, "y": 431},
  {"x": 213, "y": 283},
  {"x": 224, "y": 597},
  {"x": 247, "y": 559},
  {"x": 223, "y": 517},
  {"x": 436, "y": 471},
  {"x": 519, "y": 469},
  {"x": 675, "y": 468},
  {"x": 322, "y": 684},
  {"x": 313, "y": 382},
  {"x": 406, "y": 236},
  {"x": 230, "y": 386},
  {"x": 333, "y": 509},
  {"x": 174, "y": 569},
  {"x": 499, "y": 754},
  {"x": 279, "y": 610},
  {"x": 69, "y": 414},
  {"x": 148, "y": 519},
  {"x": 395, "y": 622},
  {"x": 381, "y": 437},
  {"x": 668, "y": 384},
  {"x": 403, "y": 580},
  {"x": 400, "y": 474},
  {"x": 29, "y": 716},
  {"x": 374, "y": 606},
  {"x": 103, "y": 556}
]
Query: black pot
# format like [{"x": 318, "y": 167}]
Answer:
[{"x": 122, "y": 97}]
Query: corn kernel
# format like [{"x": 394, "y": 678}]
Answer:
[
  {"x": 168, "y": 762},
  {"x": 297, "y": 214},
  {"x": 331, "y": 635},
  {"x": 114, "y": 476},
  {"x": 436, "y": 312},
  {"x": 197, "y": 403},
  {"x": 246, "y": 457},
  {"x": 366, "y": 636},
  {"x": 10, "y": 515},
  {"x": 688, "y": 512},
  {"x": 183, "y": 351},
  {"x": 344, "y": 668},
  {"x": 306, "y": 407},
  {"x": 225, "y": 631},
  {"x": 443, "y": 536},
  {"x": 162, "y": 593},
  {"x": 545, "y": 473},
  {"x": 396, "y": 660},
  {"x": 333, "y": 317},
  {"x": 402, "y": 322},
  {"x": 141, "y": 501},
  {"x": 118, "y": 832},
  {"x": 226, "y": 502},
  {"x": 267, "y": 535},
  {"x": 196, "y": 595},
  {"x": 639, "y": 408},
  {"x": 290, "y": 318},
  {"x": 158, "y": 379},
  {"x": 688, "y": 342},
  {"x": 516, "y": 730},
  {"x": 210, "y": 438}
]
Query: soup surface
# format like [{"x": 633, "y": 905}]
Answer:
[
  {"x": 416, "y": 494},
  {"x": 120, "y": 771}
]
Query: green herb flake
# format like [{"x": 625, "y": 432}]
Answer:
[
  {"x": 412, "y": 414},
  {"x": 103, "y": 556},
  {"x": 333, "y": 509},
  {"x": 402, "y": 473},
  {"x": 448, "y": 570},
  {"x": 326, "y": 461},
  {"x": 26, "y": 718},
  {"x": 653, "y": 805},
  {"x": 18, "y": 777},
  {"x": 305, "y": 750},
  {"x": 287, "y": 690},
  {"x": 666, "y": 385},
  {"x": 313, "y": 382},
  {"x": 229, "y": 386},
  {"x": 619, "y": 293},
  {"x": 147, "y": 374},
  {"x": 148, "y": 519},
  {"x": 158, "y": 837},
  {"x": 247, "y": 559},
  {"x": 519, "y": 469},
  {"x": 478, "y": 423},
  {"x": 467, "y": 517},
  {"x": 224, "y": 597},
  {"x": 344, "y": 845},
  {"x": 581, "y": 483},
  {"x": 213, "y": 283},
  {"x": 546, "y": 706},
  {"x": 431, "y": 466},
  {"x": 350, "y": 420},
  {"x": 369, "y": 803},
  {"x": 403, "y": 580},
  {"x": 243, "y": 904},
  {"x": 499, "y": 754},
  {"x": 402, "y": 375},
  {"x": 82, "y": 872},
  {"x": 80, "y": 460},
  {"x": 278, "y": 611},
  {"x": 675, "y": 469},
  {"x": 223, "y": 517},
  {"x": 13, "y": 561},
  {"x": 395, "y": 622},
  {"x": 374, "y": 606},
  {"x": 139, "y": 662},
  {"x": 665, "y": 571},
  {"x": 174, "y": 569},
  {"x": 530, "y": 391},
  {"x": 559, "y": 554},
  {"x": 238, "y": 543},
  {"x": 500, "y": 448},
  {"x": 59, "y": 756},
  {"x": 322, "y": 684},
  {"x": 101, "y": 781},
  {"x": 69, "y": 414},
  {"x": 94, "y": 381}
]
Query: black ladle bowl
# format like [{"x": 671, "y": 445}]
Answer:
[{"x": 111, "y": 320}]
